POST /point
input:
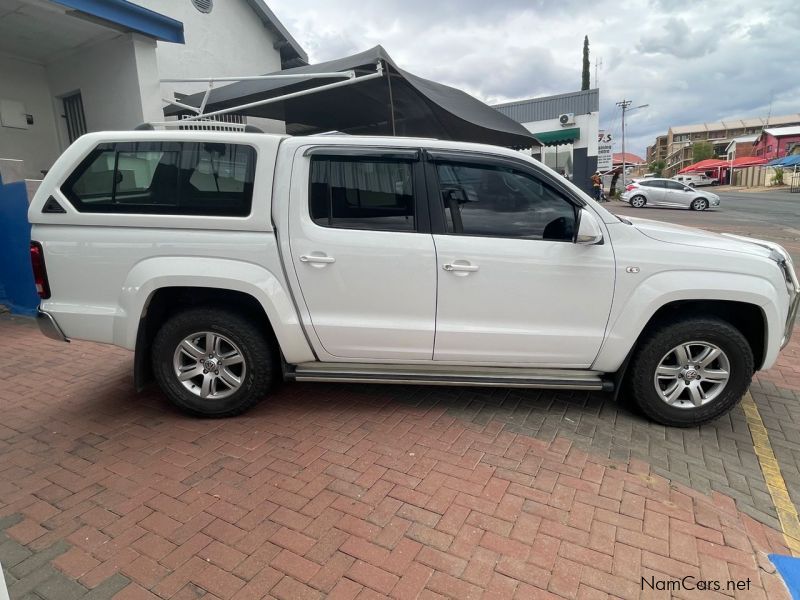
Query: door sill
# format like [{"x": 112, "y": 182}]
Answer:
[{"x": 568, "y": 379}]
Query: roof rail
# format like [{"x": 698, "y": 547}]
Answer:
[{"x": 197, "y": 125}]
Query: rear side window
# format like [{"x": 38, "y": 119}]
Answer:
[
  {"x": 177, "y": 178},
  {"x": 356, "y": 193}
]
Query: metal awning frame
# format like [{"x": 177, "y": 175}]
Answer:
[{"x": 349, "y": 77}]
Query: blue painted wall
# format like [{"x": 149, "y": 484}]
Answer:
[{"x": 17, "y": 290}]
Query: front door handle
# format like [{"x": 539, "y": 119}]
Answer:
[
  {"x": 461, "y": 266},
  {"x": 317, "y": 259}
]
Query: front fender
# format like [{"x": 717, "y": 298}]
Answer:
[
  {"x": 270, "y": 291},
  {"x": 630, "y": 317}
]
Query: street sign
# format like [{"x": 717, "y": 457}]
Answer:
[{"x": 605, "y": 145}]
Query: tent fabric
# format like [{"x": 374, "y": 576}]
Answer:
[
  {"x": 710, "y": 163},
  {"x": 786, "y": 161},
  {"x": 748, "y": 161},
  {"x": 399, "y": 103},
  {"x": 559, "y": 136}
]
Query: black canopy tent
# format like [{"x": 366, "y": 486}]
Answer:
[{"x": 397, "y": 103}]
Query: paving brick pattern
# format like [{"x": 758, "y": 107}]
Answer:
[{"x": 342, "y": 492}]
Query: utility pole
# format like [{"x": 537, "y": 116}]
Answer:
[{"x": 624, "y": 104}]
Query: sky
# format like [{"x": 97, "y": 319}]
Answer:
[{"x": 690, "y": 61}]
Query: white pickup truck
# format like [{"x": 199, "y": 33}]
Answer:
[{"x": 230, "y": 260}]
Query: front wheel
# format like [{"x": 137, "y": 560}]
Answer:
[
  {"x": 212, "y": 362},
  {"x": 690, "y": 372},
  {"x": 699, "y": 204}
]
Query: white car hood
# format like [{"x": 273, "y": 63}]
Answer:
[{"x": 690, "y": 236}]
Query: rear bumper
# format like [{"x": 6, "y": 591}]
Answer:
[{"x": 48, "y": 326}]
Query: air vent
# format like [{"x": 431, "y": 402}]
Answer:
[
  {"x": 51, "y": 206},
  {"x": 204, "y": 6}
]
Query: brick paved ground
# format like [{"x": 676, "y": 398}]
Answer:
[{"x": 348, "y": 491}]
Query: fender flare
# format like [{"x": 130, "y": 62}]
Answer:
[
  {"x": 152, "y": 274},
  {"x": 629, "y": 320}
]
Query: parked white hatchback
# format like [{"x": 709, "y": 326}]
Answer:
[{"x": 667, "y": 192}]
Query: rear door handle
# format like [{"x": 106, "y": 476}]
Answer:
[
  {"x": 317, "y": 259},
  {"x": 460, "y": 266}
]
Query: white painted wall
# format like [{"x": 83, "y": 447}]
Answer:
[
  {"x": 230, "y": 40},
  {"x": 117, "y": 82},
  {"x": 589, "y": 125},
  {"x": 38, "y": 145}
]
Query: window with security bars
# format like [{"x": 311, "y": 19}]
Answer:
[{"x": 74, "y": 117}]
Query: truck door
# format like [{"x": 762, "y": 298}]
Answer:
[
  {"x": 363, "y": 253},
  {"x": 514, "y": 288}
]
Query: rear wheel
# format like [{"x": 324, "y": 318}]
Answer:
[
  {"x": 690, "y": 372},
  {"x": 212, "y": 362},
  {"x": 699, "y": 204},
  {"x": 638, "y": 201}
]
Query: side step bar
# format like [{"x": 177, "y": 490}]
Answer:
[{"x": 567, "y": 379}]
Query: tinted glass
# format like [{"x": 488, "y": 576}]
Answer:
[
  {"x": 655, "y": 183},
  {"x": 165, "y": 178},
  {"x": 674, "y": 185},
  {"x": 500, "y": 202},
  {"x": 354, "y": 193}
]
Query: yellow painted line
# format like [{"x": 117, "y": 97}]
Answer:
[{"x": 787, "y": 513}]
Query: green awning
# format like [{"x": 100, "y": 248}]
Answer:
[{"x": 559, "y": 136}]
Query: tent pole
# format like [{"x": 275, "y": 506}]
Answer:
[{"x": 391, "y": 99}]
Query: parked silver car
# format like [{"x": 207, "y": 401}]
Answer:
[{"x": 667, "y": 192}]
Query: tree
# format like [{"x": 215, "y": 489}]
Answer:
[
  {"x": 613, "y": 186},
  {"x": 702, "y": 151},
  {"x": 657, "y": 167},
  {"x": 585, "y": 75}
]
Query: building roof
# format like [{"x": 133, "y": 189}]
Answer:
[
  {"x": 292, "y": 54},
  {"x": 550, "y": 107},
  {"x": 783, "y": 131},
  {"x": 742, "y": 139},
  {"x": 129, "y": 16},
  {"x": 736, "y": 124},
  {"x": 631, "y": 159}
]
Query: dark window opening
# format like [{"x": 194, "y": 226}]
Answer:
[
  {"x": 501, "y": 202},
  {"x": 182, "y": 178},
  {"x": 74, "y": 116},
  {"x": 367, "y": 193}
]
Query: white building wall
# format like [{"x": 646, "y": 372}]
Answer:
[
  {"x": 589, "y": 125},
  {"x": 37, "y": 146},
  {"x": 111, "y": 77},
  {"x": 230, "y": 40}
]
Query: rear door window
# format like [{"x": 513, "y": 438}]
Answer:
[
  {"x": 362, "y": 193},
  {"x": 181, "y": 178}
]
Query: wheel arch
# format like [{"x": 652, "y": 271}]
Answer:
[
  {"x": 155, "y": 288},
  {"x": 749, "y": 319}
]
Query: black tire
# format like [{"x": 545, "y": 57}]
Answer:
[
  {"x": 656, "y": 343},
  {"x": 638, "y": 197},
  {"x": 256, "y": 349},
  {"x": 699, "y": 204}
]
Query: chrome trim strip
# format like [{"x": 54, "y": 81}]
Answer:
[
  {"x": 498, "y": 377},
  {"x": 48, "y": 326},
  {"x": 790, "y": 319}
]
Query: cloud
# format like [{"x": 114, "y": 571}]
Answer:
[
  {"x": 692, "y": 62},
  {"x": 674, "y": 38}
]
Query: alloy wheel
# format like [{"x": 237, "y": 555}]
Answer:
[
  {"x": 692, "y": 374},
  {"x": 209, "y": 365}
]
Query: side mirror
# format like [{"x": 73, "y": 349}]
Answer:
[{"x": 589, "y": 231}]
